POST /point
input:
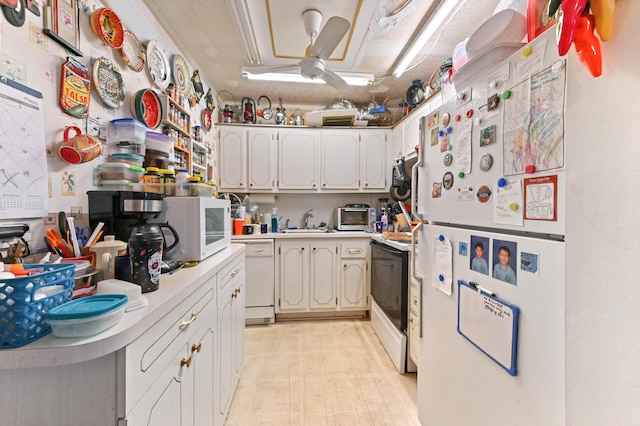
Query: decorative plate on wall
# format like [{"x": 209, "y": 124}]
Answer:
[
  {"x": 206, "y": 119},
  {"x": 108, "y": 27},
  {"x": 108, "y": 82},
  {"x": 180, "y": 74},
  {"x": 132, "y": 52},
  {"x": 158, "y": 65},
  {"x": 147, "y": 108}
]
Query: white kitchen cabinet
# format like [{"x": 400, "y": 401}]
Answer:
[
  {"x": 293, "y": 272},
  {"x": 373, "y": 159},
  {"x": 340, "y": 159},
  {"x": 397, "y": 141},
  {"x": 158, "y": 366},
  {"x": 412, "y": 134},
  {"x": 298, "y": 159},
  {"x": 323, "y": 275},
  {"x": 262, "y": 147},
  {"x": 307, "y": 275},
  {"x": 230, "y": 337},
  {"x": 354, "y": 282},
  {"x": 232, "y": 163}
]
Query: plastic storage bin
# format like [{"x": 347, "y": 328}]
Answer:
[
  {"x": 87, "y": 316},
  {"x": 25, "y": 301},
  {"x": 126, "y": 136},
  {"x": 119, "y": 171}
]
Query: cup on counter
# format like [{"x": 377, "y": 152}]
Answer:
[
  {"x": 123, "y": 267},
  {"x": 248, "y": 230},
  {"x": 264, "y": 228},
  {"x": 256, "y": 228},
  {"x": 238, "y": 226}
]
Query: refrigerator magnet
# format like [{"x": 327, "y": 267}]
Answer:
[
  {"x": 447, "y": 180},
  {"x": 437, "y": 190},
  {"x": 529, "y": 262},
  {"x": 484, "y": 194}
]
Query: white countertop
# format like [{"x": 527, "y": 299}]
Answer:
[
  {"x": 53, "y": 351},
  {"x": 292, "y": 235}
]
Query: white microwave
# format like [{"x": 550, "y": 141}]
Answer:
[{"x": 203, "y": 225}]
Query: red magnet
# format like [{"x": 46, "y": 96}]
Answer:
[
  {"x": 457, "y": 118},
  {"x": 470, "y": 113},
  {"x": 530, "y": 169}
]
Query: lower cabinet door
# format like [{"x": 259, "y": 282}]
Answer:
[
  {"x": 225, "y": 368},
  {"x": 162, "y": 404},
  {"x": 353, "y": 284},
  {"x": 203, "y": 353}
]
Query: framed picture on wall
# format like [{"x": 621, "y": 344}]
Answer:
[{"x": 61, "y": 24}]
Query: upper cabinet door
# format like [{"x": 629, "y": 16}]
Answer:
[
  {"x": 298, "y": 159},
  {"x": 339, "y": 160},
  {"x": 233, "y": 158},
  {"x": 262, "y": 146},
  {"x": 373, "y": 159}
]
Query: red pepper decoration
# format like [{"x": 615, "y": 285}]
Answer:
[
  {"x": 587, "y": 45},
  {"x": 568, "y": 16}
]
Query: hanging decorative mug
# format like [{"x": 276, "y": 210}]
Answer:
[
  {"x": 80, "y": 148},
  {"x": 281, "y": 118}
]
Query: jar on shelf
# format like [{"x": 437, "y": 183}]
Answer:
[{"x": 152, "y": 180}]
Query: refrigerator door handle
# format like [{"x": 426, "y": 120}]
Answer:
[{"x": 418, "y": 278}]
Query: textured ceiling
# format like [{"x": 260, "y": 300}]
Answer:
[{"x": 205, "y": 29}]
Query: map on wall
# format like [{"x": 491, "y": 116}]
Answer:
[
  {"x": 23, "y": 158},
  {"x": 534, "y": 123}
]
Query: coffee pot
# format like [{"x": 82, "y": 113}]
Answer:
[{"x": 248, "y": 115}]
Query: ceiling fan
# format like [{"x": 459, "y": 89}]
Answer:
[{"x": 314, "y": 66}]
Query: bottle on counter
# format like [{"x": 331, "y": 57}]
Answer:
[
  {"x": 274, "y": 220},
  {"x": 385, "y": 221},
  {"x": 182, "y": 180}
]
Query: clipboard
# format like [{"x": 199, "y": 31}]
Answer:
[{"x": 490, "y": 324}]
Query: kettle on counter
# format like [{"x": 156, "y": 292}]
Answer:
[{"x": 248, "y": 115}]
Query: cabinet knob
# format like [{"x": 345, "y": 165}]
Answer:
[
  {"x": 186, "y": 362},
  {"x": 366, "y": 184},
  {"x": 344, "y": 266},
  {"x": 251, "y": 184},
  {"x": 241, "y": 184},
  {"x": 196, "y": 348},
  {"x": 194, "y": 316},
  {"x": 324, "y": 184}
]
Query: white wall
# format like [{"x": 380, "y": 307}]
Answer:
[
  {"x": 42, "y": 70},
  {"x": 602, "y": 294}
]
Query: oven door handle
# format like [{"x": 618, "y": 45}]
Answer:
[{"x": 414, "y": 273}]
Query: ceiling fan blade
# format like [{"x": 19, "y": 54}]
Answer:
[
  {"x": 333, "y": 79},
  {"x": 328, "y": 39},
  {"x": 264, "y": 69}
]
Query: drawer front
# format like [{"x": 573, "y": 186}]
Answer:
[
  {"x": 149, "y": 355},
  {"x": 228, "y": 275},
  {"x": 354, "y": 249},
  {"x": 259, "y": 250}
]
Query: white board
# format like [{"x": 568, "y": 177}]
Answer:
[{"x": 490, "y": 324}]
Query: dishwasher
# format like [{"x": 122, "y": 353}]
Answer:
[{"x": 259, "y": 281}]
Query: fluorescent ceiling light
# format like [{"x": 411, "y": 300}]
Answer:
[
  {"x": 427, "y": 32},
  {"x": 242, "y": 19},
  {"x": 353, "y": 79}
]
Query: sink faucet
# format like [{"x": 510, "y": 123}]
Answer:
[{"x": 305, "y": 219}]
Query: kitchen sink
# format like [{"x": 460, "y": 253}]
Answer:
[{"x": 304, "y": 231}]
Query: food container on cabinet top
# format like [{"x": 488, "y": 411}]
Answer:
[
  {"x": 136, "y": 160},
  {"x": 119, "y": 171},
  {"x": 126, "y": 136},
  {"x": 87, "y": 316}
]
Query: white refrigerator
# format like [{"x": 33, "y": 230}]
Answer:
[{"x": 491, "y": 188}]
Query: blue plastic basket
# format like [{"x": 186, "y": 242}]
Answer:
[{"x": 23, "y": 307}]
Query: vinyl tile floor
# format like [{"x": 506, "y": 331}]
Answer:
[{"x": 328, "y": 372}]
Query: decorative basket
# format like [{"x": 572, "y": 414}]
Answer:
[{"x": 24, "y": 302}]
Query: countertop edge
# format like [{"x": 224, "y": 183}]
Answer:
[{"x": 52, "y": 351}]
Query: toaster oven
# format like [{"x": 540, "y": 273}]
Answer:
[{"x": 350, "y": 218}]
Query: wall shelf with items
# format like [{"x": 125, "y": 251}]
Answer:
[{"x": 190, "y": 152}]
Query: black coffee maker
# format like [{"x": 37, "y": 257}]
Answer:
[{"x": 122, "y": 211}]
